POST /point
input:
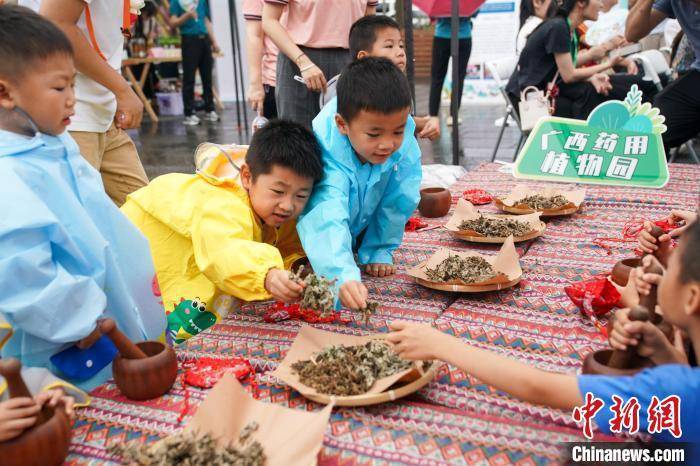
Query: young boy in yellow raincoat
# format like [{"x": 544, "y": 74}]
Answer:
[{"x": 228, "y": 233}]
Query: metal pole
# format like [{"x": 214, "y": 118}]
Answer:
[
  {"x": 240, "y": 69},
  {"x": 454, "y": 103},
  {"x": 232, "y": 27},
  {"x": 408, "y": 42}
]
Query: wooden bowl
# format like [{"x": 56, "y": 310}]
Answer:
[
  {"x": 522, "y": 209},
  {"x": 434, "y": 202},
  {"x": 42, "y": 445},
  {"x": 477, "y": 238},
  {"x": 396, "y": 391},
  {"x": 596, "y": 363},
  {"x": 144, "y": 379},
  {"x": 621, "y": 270}
]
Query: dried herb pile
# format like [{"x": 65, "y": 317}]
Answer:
[
  {"x": 349, "y": 370},
  {"x": 318, "y": 293},
  {"x": 190, "y": 449},
  {"x": 496, "y": 227},
  {"x": 472, "y": 269},
  {"x": 538, "y": 202}
]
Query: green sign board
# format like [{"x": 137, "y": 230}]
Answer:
[{"x": 619, "y": 144}]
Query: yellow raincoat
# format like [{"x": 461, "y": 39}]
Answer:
[{"x": 209, "y": 247}]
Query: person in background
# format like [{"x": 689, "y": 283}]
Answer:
[
  {"x": 551, "y": 54},
  {"x": 655, "y": 39},
  {"x": 679, "y": 102},
  {"x": 198, "y": 46},
  {"x": 314, "y": 45},
  {"x": 262, "y": 61},
  {"x": 106, "y": 105},
  {"x": 532, "y": 13},
  {"x": 441, "y": 57},
  {"x": 380, "y": 36}
]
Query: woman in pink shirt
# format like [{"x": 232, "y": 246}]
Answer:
[
  {"x": 262, "y": 61},
  {"x": 314, "y": 45}
]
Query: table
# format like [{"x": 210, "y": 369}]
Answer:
[
  {"x": 138, "y": 84},
  {"x": 455, "y": 419}
]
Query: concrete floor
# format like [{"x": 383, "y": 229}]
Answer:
[{"x": 169, "y": 146}]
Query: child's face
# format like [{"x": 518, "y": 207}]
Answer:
[
  {"x": 389, "y": 44},
  {"x": 278, "y": 196},
  {"x": 45, "y": 93},
  {"x": 374, "y": 136},
  {"x": 678, "y": 300}
]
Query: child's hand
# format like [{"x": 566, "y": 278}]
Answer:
[
  {"x": 431, "y": 130},
  {"x": 90, "y": 340},
  {"x": 353, "y": 295},
  {"x": 643, "y": 281},
  {"x": 281, "y": 287},
  {"x": 415, "y": 341},
  {"x": 380, "y": 270},
  {"x": 55, "y": 396},
  {"x": 653, "y": 344},
  {"x": 16, "y": 415}
]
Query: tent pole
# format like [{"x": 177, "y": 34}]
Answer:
[{"x": 454, "y": 103}]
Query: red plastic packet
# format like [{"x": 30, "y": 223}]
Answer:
[
  {"x": 477, "y": 196},
  {"x": 205, "y": 372},
  {"x": 281, "y": 311},
  {"x": 597, "y": 295},
  {"x": 414, "y": 224}
]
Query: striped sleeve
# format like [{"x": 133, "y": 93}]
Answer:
[{"x": 252, "y": 10}]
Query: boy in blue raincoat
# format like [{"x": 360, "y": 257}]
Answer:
[
  {"x": 372, "y": 174},
  {"x": 69, "y": 257}
]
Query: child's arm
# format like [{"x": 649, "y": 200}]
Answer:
[
  {"x": 399, "y": 200},
  {"x": 226, "y": 252},
  {"x": 423, "y": 342},
  {"x": 324, "y": 230}
]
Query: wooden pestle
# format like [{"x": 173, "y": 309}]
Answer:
[
  {"x": 126, "y": 347},
  {"x": 657, "y": 232},
  {"x": 624, "y": 359},
  {"x": 11, "y": 370}
]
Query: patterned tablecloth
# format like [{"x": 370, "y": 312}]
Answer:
[{"x": 456, "y": 419}]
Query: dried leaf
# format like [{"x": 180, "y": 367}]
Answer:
[
  {"x": 496, "y": 227},
  {"x": 472, "y": 269},
  {"x": 539, "y": 202}
]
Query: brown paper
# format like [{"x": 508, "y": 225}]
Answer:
[
  {"x": 506, "y": 263},
  {"x": 310, "y": 340},
  {"x": 465, "y": 210},
  {"x": 574, "y": 196},
  {"x": 288, "y": 436}
]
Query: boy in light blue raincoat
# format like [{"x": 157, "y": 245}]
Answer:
[
  {"x": 372, "y": 174},
  {"x": 67, "y": 255}
]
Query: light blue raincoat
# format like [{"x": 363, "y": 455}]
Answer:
[
  {"x": 354, "y": 197},
  {"x": 67, "y": 254}
]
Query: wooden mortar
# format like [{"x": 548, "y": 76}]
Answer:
[
  {"x": 621, "y": 270},
  {"x": 434, "y": 202},
  {"x": 47, "y": 441},
  {"x": 142, "y": 371},
  {"x": 617, "y": 362}
]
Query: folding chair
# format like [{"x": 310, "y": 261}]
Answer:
[
  {"x": 655, "y": 66},
  {"x": 501, "y": 70}
]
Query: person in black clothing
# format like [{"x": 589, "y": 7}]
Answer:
[{"x": 552, "y": 50}]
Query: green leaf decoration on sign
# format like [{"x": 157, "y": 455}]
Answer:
[
  {"x": 633, "y": 99},
  {"x": 639, "y": 124},
  {"x": 611, "y": 115}
]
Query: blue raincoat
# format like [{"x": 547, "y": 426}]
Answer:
[
  {"x": 354, "y": 197},
  {"x": 67, "y": 254}
]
